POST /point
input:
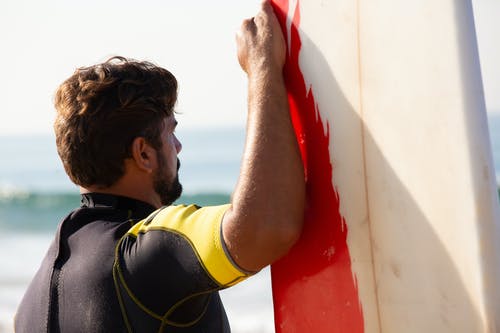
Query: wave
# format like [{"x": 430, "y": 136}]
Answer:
[
  {"x": 39, "y": 211},
  {"x": 32, "y": 211}
]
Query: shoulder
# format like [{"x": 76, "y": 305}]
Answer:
[{"x": 186, "y": 231}]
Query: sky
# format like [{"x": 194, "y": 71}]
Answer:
[{"x": 42, "y": 42}]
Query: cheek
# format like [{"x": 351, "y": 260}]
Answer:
[{"x": 170, "y": 153}]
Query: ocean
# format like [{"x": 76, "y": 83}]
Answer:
[{"x": 35, "y": 194}]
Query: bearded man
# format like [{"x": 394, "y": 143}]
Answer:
[{"x": 128, "y": 260}]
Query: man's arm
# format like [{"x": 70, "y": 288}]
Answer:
[{"x": 266, "y": 215}]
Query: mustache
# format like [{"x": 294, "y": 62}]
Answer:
[{"x": 178, "y": 164}]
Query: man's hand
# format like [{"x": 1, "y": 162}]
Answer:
[{"x": 260, "y": 42}]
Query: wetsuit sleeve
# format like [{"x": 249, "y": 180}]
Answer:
[
  {"x": 201, "y": 228},
  {"x": 169, "y": 267}
]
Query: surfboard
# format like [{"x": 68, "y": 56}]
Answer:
[{"x": 402, "y": 224}]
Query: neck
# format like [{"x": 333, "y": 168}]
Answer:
[{"x": 131, "y": 190}]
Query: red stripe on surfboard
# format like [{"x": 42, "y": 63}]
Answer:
[{"x": 314, "y": 288}]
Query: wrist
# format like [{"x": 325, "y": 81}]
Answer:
[{"x": 265, "y": 70}]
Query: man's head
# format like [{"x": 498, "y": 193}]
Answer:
[{"x": 103, "y": 108}]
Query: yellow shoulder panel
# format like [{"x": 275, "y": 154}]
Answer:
[{"x": 202, "y": 227}]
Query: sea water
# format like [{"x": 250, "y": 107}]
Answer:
[{"x": 35, "y": 194}]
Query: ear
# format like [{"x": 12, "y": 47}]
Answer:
[{"x": 143, "y": 155}]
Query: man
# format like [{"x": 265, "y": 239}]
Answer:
[{"x": 129, "y": 261}]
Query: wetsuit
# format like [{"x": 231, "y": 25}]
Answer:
[{"x": 107, "y": 272}]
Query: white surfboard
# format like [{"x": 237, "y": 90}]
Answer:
[{"x": 398, "y": 89}]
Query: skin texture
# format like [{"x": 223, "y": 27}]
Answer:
[{"x": 266, "y": 216}]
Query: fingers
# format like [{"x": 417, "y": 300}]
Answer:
[
  {"x": 266, "y": 4},
  {"x": 265, "y": 13},
  {"x": 260, "y": 40},
  {"x": 248, "y": 25},
  {"x": 261, "y": 19},
  {"x": 243, "y": 37}
]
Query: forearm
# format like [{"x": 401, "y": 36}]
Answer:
[
  {"x": 272, "y": 178},
  {"x": 268, "y": 201}
]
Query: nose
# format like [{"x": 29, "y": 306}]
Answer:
[{"x": 178, "y": 145}]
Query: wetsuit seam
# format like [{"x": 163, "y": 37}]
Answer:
[
  {"x": 184, "y": 236},
  {"x": 125, "y": 286},
  {"x": 179, "y": 303},
  {"x": 53, "y": 315},
  {"x": 54, "y": 306},
  {"x": 60, "y": 288},
  {"x": 131, "y": 294},
  {"x": 122, "y": 286},
  {"x": 153, "y": 215},
  {"x": 229, "y": 256},
  {"x": 134, "y": 298},
  {"x": 164, "y": 319},
  {"x": 118, "y": 293},
  {"x": 49, "y": 310}
]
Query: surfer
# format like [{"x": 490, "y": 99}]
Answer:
[{"x": 129, "y": 260}]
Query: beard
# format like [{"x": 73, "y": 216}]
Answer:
[{"x": 168, "y": 191}]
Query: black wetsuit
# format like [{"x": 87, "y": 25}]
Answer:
[{"x": 107, "y": 272}]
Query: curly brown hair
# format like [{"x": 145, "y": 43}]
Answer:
[{"x": 101, "y": 109}]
